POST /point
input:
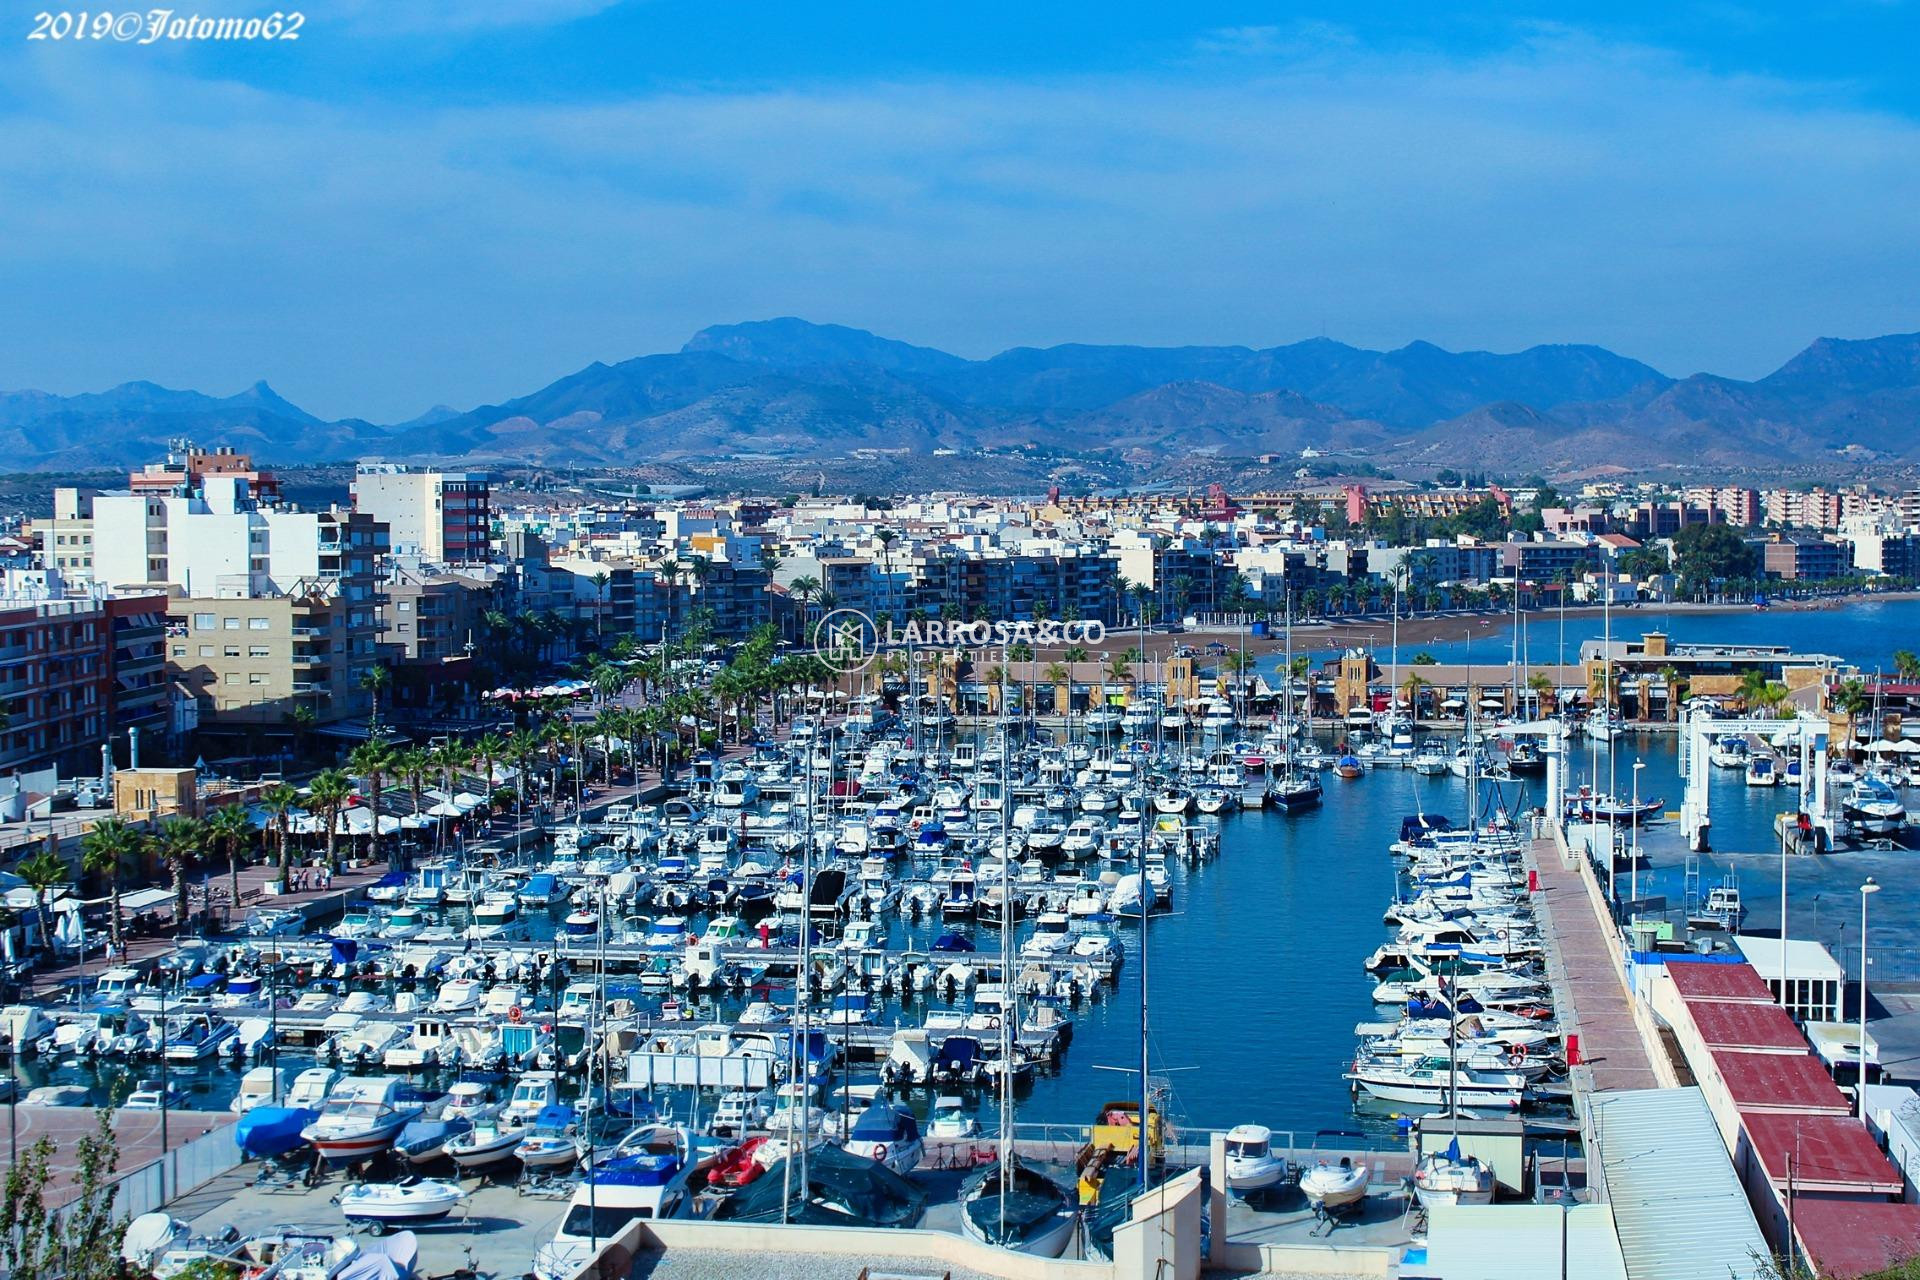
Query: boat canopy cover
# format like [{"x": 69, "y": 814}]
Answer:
[
  {"x": 842, "y": 1190},
  {"x": 272, "y": 1131},
  {"x": 953, "y": 942},
  {"x": 885, "y": 1122},
  {"x": 958, "y": 1052},
  {"x": 204, "y": 981}
]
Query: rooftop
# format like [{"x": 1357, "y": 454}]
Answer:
[
  {"x": 1805, "y": 960},
  {"x": 1754, "y": 1028},
  {"x": 1700, "y": 981},
  {"x": 1852, "y": 1238},
  {"x": 1778, "y": 1082},
  {"x": 1677, "y": 1204},
  {"x": 1827, "y": 1153}
]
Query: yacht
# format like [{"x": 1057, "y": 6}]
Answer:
[
  {"x": 1252, "y": 1163},
  {"x": 361, "y": 1118},
  {"x": 1872, "y": 807},
  {"x": 646, "y": 1179},
  {"x": 1447, "y": 1177}
]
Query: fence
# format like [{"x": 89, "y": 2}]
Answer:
[{"x": 185, "y": 1167}]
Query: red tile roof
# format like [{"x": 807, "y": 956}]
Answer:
[
  {"x": 1778, "y": 1082},
  {"x": 1847, "y": 1239},
  {"x": 1828, "y": 1153},
  {"x": 1751, "y": 1028},
  {"x": 1701, "y": 980}
]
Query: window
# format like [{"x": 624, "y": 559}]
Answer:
[
  {"x": 230, "y": 624},
  {"x": 203, "y": 622},
  {"x": 232, "y": 651},
  {"x": 206, "y": 651},
  {"x": 406, "y": 606},
  {"x": 256, "y": 677},
  {"x": 232, "y": 677},
  {"x": 259, "y": 651},
  {"x": 179, "y": 651},
  {"x": 257, "y": 624}
]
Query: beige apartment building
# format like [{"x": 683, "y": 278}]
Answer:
[{"x": 253, "y": 660}]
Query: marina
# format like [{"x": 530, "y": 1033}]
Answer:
[{"x": 649, "y": 979}]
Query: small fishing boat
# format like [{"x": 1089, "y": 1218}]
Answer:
[
  {"x": 483, "y": 1146},
  {"x": 425, "y": 1140},
  {"x": 1348, "y": 767},
  {"x": 737, "y": 1166},
  {"x": 551, "y": 1144},
  {"x": 951, "y": 1119},
  {"x": 410, "y": 1203}
]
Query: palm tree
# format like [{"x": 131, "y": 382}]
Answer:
[
  {"x": 600, "y": 580},
  {"x": 413, "y": 766},
  {"x": 1075, "y": 653},
  {"x": 770, "y": 561},
  {"x": 1060, "y": 676},
  {"x": 1851, "y": 700},
  {"x": 374, "y": 761},
  {"x": 1413, "y": 684},
  {"x": 373, "y": 680},
  {"x": 1542, "y": 685},
  {"x": 327, "y": 795},
  {"x": 177, "y": 841},
  {"x": 104, "y": 851},
  {"x": 1906, "y": 664},
  {"x": 609, "y": 681},
  {"x": 231, "y": 826},
  {"x": 42, "y": 872},
  {"x": 280, "y": 800}
]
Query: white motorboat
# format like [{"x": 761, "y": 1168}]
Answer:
[
  {"x": 951, "y": 1119},
  {"x": 1873, "y": 808},
  {"x": 1330, "y": 1186},
  {"x": 1252, "y": 1163},
  {"x": 380, "y": 1205},
  {"x": 487, "y": 1144},
  {"x": 361, "y": 1118}
]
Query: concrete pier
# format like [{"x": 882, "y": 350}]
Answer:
[{"x": 1589, "y": 988}]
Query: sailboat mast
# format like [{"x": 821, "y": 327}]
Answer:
[{"x": 1006, "y": 951}]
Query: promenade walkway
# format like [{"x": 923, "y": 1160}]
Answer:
[{"x": 1592, "y": 1000}]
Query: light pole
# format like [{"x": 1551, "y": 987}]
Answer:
[
  {"x": 1867, "y": 890},
  {"x": 1633, "y": 871}
]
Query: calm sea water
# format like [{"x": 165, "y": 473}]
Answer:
[{"x": 1256, "y": 977}]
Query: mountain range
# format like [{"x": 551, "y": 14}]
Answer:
[{"x": 788, "y": 388}]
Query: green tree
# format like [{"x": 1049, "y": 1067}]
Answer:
[
  {"x": 178, "y": 842},
  {"x": 231, "y": 826},
  {"x": 327, "y": 795},
  {"x": 82, "y": 1241},
  {"x": 105, "y": 850},
  {"x": 373, "y": 760},
  {"x": 280, "y": 800},
  {"x": 1906, "y": 664},
  {"x": 374, "y": 680},
  {"x": 43, "y": 872},
  {"x": 1707, "y": 553}
]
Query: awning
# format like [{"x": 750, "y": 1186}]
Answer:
[{"x": 145, "y": 899}]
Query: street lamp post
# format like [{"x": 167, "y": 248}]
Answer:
[
  {"x": 1633, "y": 872},
  {"x": 1867, "y": 890}
]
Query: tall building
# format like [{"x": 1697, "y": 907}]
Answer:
[
  {"x": 444, "y": 517},
  {"x": 75, "y": 672}
]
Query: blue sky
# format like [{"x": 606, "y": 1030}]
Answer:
[{"x": 429, "y": 201}]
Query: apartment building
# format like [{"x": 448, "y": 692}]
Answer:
[
  {"x": 65, "y": 541},
  {"x": 429, "y": 616},
  {"x": 74, "y": 673},
  {"x": 252, "y": 661},
  {"x": 444, "y": 517},
  {"x": 1799, "y": 557}
]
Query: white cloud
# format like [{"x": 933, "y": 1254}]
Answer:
[{"x": 375, "y": 259}]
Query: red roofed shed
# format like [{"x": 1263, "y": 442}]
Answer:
[
  {"x": 1828, "y": 1154},
  {"x": 1847, "y": 1239},
  {"x": 1775, "y": 1082},
  {"x": 1722, "y": 983},
  {"x": 1749, "y": 1028}
]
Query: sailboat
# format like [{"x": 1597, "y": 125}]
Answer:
[
  {"x": 1011, "y": 1204},
  {"x": 1294, "y": 790},
  {"x": 1447, "y": 1177}
]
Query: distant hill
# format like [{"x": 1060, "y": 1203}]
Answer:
[{"x": 788, "y": 388}]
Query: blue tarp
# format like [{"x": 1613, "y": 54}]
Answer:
[{"x": 204, "y": 981}]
